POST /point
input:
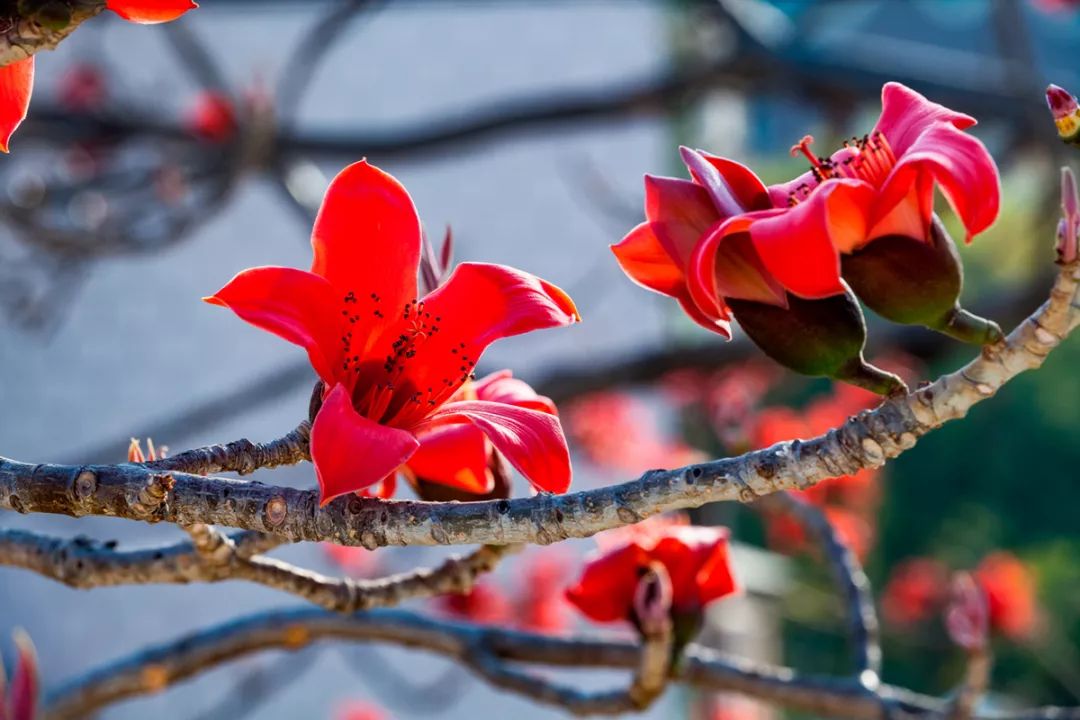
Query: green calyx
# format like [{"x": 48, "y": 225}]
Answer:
[
  {"x": 816, "y": 337},
  {"x": 916, "y": 282}
]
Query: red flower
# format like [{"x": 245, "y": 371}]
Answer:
[
  {"x": 212, "y": 117},
  {"x": 354, "y": 561},
  {"x": 17, "y": 78},
  {"x": 696, "y": 560},
  {"x": 915, "y": 592},
  {"x": 541, "y": 606},
  {"x": 460, "y": 456},
  {"x": 1010, "y": 594},
  {"x": 19, "y": 700},
  {"x": 485, "y": 604},
  {"x": 390, "y": 363},
  {"x": 82, "y": 88},
  {"x": 360, "y": 710}
]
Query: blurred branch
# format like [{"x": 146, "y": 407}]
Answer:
[
  {"x": 865, "y": 441},
  {"x": 213, "y": 556},
  {"x": 850, "y": 579},
  {"x": 155, "y": 668}
]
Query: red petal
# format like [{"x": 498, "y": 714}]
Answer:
[
  {"x": 455, "y": 456},
  {"x": 16, "y": 86},
  {"x": 747, "y": 186},
  {"x": 503, "y": 387},
  {"x": 697, "y": 560},
  {"x": 905, "y": 115},
  {"x": 962, "y": 166},
  {"x": 799, "y": 246},
  {"x": 367, "y": 241},
  {"x": 733, "y": 187},
  {"x": 643, "y": 258},
  {"x": 680, "y": 212},
  {"x": 721, "y": 324},
  {"x": 150, "y": 12},
  {"x": 24, "y": 682},
  {"x": 605, "y": 591},
  {"x": 293, "y": 304},
  {"x": 532, "y": 441},
  {"x": 477, "y": 305},
  {"x": 351, "y": 452}
]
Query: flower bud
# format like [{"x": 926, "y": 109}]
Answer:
[
  {"x": 652, "y": 601},
  {"x": 135, "y": 453},
  {"x": 967, "y": 618},
  {"x": 1066, "y": 113},
  {"x": 816, "y": 337},
  {"x": 917, "y": 282}
]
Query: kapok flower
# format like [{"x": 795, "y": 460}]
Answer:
[
  {"x": 696, "y": 560},
  {"x": 1010, "y": 594},
  {"x": 391, "y": 363},
  {"x": 485, "y": 604},
  {"x": 360, "y": 710},
  {"x": 915, "y": 592},
  {"x": 18, "y": 701},
  {"x": 212, "y": 118},
  {"x": 460, "y": 457},
  {"x": 1066, "y": 113},
  {"x": 695, "y": 247},
  {"x": 897, "y": 256},
  {"x": 17, "y": 78}
]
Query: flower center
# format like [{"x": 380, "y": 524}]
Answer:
[
  {"x": 388, "y": 394},
  {"x": 869, "y": 158}
]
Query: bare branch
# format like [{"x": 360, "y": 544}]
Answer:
[
  {"x": 241, "y": 456},
  {"x": 213, "y": 556},
  {"x": 155, "y": 668}
]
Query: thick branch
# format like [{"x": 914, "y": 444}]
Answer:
[
  {"x": 20, "y": 37},
  {"x": 865, "y": 441},
  {"x": 214, "y": 557},
  {"x": 155, "y": 668}
]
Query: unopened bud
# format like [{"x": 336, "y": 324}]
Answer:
[
  {"x": 1069, "y": 225},
  {"x": 652, "y": 600},
  {"x": 135, "y": 453},
  {"x": 967, "y": 618},
  {"x": 1066, "y": 113}
]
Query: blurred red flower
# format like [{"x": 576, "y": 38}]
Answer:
[
  {"x": 212, "y": 117},
  {"x": 360, "y": 710},
  {"x": 1010, "y": 593},
  {"x": 915, "y": 592}
]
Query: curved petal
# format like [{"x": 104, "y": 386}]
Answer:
[
  {"x": 455, "y": 456},
  {"x": 680, "y": 212},
  {"x": 800, "y": 246},
  {"x": 963, "y": 168},
  {"x": 697, "y": 560},
  {"x": 293, "y": 304},
  {"x": 351, "y": 452},
  {"x": 367, "y": 241},
  {"x": 150, "y": 12},
  {"x": 605, "y": 591},
  {"x": 905, "y": 115},
  {"x": 643, "y": 258},
  {"x": 733, "y": 187},
  {"x": 532, "y": 441},
  {"x": 16, "y": 86},
  {"x": 703, "y": 281},
  {"x": 503, "y": 387},
  {"x": 478, "y": 304}
]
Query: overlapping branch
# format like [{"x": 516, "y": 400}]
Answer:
[
  {"x": 20, "y": 37},
  {"x": 155, "y": 668},
  {"x": 865, "y": 441}
]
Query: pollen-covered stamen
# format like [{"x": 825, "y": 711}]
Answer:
[{"x": 869, "y": 158}]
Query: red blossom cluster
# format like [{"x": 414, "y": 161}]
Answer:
[
  {"x": 620, "y": 432},
  {"x": 918, "y": 589},
  {"x": 535, "y": 603}
]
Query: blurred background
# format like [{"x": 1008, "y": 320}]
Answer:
[{"x": 158, "y": 162}]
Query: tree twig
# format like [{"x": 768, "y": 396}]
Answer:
[
  {"x": 155, "y": 668},
  {"x": 241, "y": 456}
]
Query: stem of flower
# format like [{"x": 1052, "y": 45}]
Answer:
[
  {"x": 966, "y": 327},
  {"x": 860, "y": 373}
]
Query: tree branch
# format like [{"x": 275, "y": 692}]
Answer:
[
  {"x": 155, "y": 668},
  {"x": 213, "y": 556},
  {"x": 241, "y": 456},
  {"x": 865, "y": 441},
  {"x": 21, "y": 37}
]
